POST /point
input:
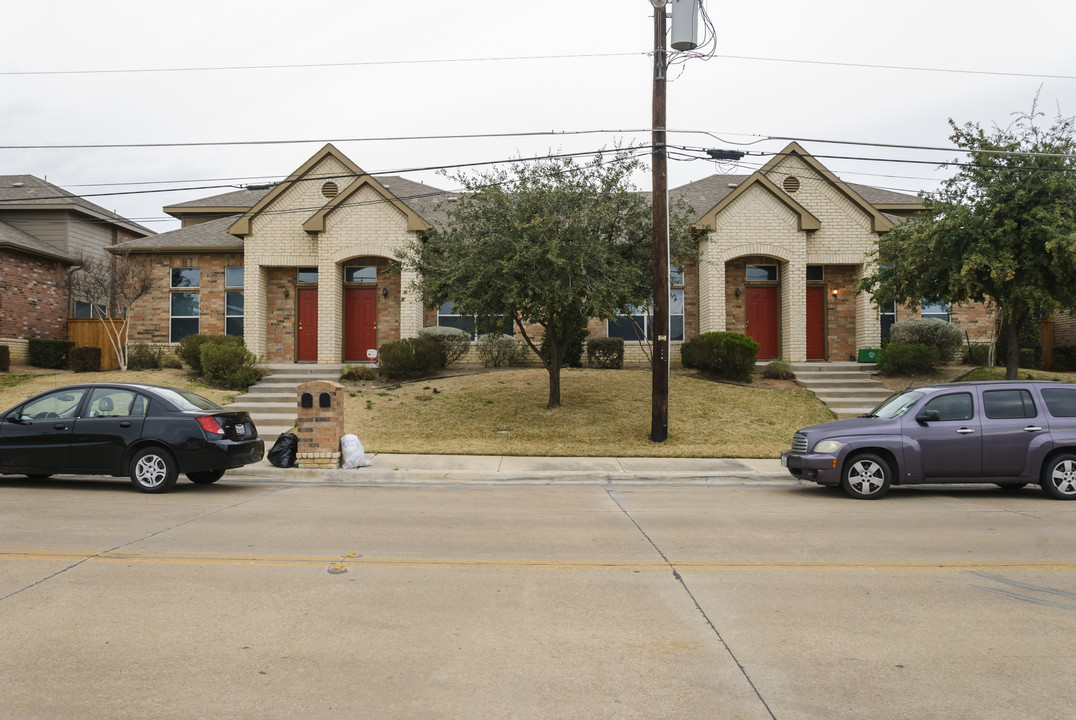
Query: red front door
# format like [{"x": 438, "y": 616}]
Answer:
[
  {"x": 360, "y": 323},
  {"x": 762, "y": 319},
  {"x": 308, "y": 325},
  {"x": 816, "y": 321}
]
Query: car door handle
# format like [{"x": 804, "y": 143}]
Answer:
[
  {"x": 59, "y": 426},
  {"x": 125, "y": 424},
  {"x": 965, "y": 431},
  {"x": 1032, "y": 428}
]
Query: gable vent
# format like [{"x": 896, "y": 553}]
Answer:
[
  {"x": 330, "y": 189},
  {"x": 791, "y": 184}
]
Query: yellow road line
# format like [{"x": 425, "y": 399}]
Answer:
[{"x": 655, "y": 565}]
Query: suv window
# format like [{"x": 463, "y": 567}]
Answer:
[
  {"x": 1060, "y": 401},
  {"x": 1004, "y": 404},
  {"x": 952, "y": 407}
]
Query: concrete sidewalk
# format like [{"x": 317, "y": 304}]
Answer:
[{"x": 497, "y": 469}]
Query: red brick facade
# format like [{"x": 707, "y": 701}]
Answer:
[{"x": 34, "y": 297}]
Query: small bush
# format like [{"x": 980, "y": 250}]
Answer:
[
  {"x": 84, "y": 359},
  {"x": 190, "y": 348},
  {"x": 1065, "y": 358},
  {"x": 229, "y": 366},
  {"x": 907, "y": 359},
  {"x": 357, "y": 373},
  {"x": 943, "y": 336},
  {"x": 724, "y": 354},
  {"x": 143, "y": 357},
  {"x": 573, "y": 353},
  {"x": 410, "y": 357},
  {"x": 606, "y": 353},
  {"x": 778, "y": 370},
  {"x": 976, "y": 354},
  {"x": 171, "y": 362},
  {"x": 5, "y": 358},
  {"x": 498, "y": 350},
  {"x": 1029, "y": 358},
  {"x": 1030, "y": 337},
  {"x": 49, "y": 353},
  {"x": 453, "y": 343}
]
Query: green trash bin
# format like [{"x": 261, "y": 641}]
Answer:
[{"x": 868, "y": 355}]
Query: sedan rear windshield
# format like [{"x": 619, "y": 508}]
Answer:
[
  {"x": 186, "y": 400},
  {"x": 897, "y": 404}
]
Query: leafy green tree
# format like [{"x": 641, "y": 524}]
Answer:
[
  {"x": 1002, "y": 229},
  {"x": 549, "y": 243}
]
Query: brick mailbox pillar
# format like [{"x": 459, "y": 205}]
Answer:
[{"x": 321, "y": 423}]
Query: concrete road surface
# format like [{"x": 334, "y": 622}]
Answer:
[{"x": 745, "y": 600}]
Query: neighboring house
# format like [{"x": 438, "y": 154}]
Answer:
[
  {"x": 305, "y": 270},
  {"x": 44, "y": 230}
]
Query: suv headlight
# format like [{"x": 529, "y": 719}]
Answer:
[{"x": 827, "y": 446}]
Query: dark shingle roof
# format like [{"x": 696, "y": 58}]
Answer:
[
  {"x": 210, "y": 235},
  {"x": 22, "y": 192},
  {"x": 12, "y": 237},
  {"x": 245, "y": 198},
  {"x": 702, "y": 195}
]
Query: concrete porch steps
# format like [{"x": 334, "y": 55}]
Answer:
[
  {"x": 271, "y": 403},
  {"x": 846, "y": 388}
]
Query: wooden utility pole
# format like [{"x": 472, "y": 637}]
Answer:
[{"x": 659, "y": 257}]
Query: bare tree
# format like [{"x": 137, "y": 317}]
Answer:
[{"x": 111, "y": 286}]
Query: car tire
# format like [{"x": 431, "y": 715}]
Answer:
[
  {"x": 206, "y": 477},
  {"x": 153, "y": 470},
  {"x": 1058, "y": 478},
  {"x": 866, "y": 476}
]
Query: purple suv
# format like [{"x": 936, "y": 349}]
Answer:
[{"x": 1010, "y": 433}]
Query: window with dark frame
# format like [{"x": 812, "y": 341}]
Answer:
[
  {"x": 184, "y": 303},
  {"x": 233, "y": 301}
]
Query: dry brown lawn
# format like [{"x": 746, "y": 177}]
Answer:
[
  {"x": 24, "y": 382},
  {"x": 602, "y": 413}
]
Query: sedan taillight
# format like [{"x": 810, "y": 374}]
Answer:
[{"x": 211, "y": 425}]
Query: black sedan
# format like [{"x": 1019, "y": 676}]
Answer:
[{"x": 148, "y": 432}]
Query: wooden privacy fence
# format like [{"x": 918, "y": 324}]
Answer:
[{"x": 91, "y": 332}]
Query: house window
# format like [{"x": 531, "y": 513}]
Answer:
[
  {"x": 233, "y": 301},
  {"x": 816, "y": 273},
  {"x": 448, "y": 317},
  {"x": 888, "y": 316},
  {"x": 185, "y": 304},
  {"x": 761, "y": 273},
  {"x": 939, "y": 311},
  {"x": 88, "y": 310},
  {"x": 307, "y": 276},
  {"x": 636, "y": 324},
  {"x": 360, "y": 274}
]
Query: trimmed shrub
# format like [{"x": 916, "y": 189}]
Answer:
[
  {"x": 498, "y": 350},
  {"x": 1030, "y": 337},
  {"x": 357, "y": 373},
  {"x": 49, "y": 353},
  {"x": 144, "y": 357},
  {"x": 410, "y": 357},
  {"x": 573, "y": 354},
  {"x": 190, "y": 348},
  {"x": 939, "y": 334},
  {"x": 778, "y": 370},
  {"x": 453, "y": 343},
  {"x": 5, "y": 358},
  {"x": 1029, "y": 358},
  {"x": 229, "y": 366},
  {"x": 907, "y": 359},
  {"x": 606, "y": 353},
  {"x": 975, "y": 354},
  {"x": 1065, "y": 358},
  {"x": 84, "y": 359},
  {"x": 171, "y": 362},
  {"x": 727, "y": 355}
]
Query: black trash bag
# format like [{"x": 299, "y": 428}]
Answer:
[{"x": 284, "y": 449}]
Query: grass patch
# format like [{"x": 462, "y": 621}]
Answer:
[
  {"x": 998, "y": 373},
  {"x": 603, "y": 413}
]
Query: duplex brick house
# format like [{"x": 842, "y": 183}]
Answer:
[
  {"x": 304, "y": 269},
  {"x": 44, "y": 230}
]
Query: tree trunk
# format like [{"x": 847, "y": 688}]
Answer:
[
  {"x": 556, "y": 355},
  {"x": 1012, "y": 353}
]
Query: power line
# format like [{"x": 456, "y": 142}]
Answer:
[{"x": 872, "y": 66}]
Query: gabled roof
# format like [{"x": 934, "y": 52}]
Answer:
[
  {"x": 26, "y": 192},
  {"x": 211, "y": 235},
  {"x": 237, "y": 202},
  {"x": 807, "y": 221},
  {"x": 316, "y": 223},
  {"x": 12, "y": 237}
]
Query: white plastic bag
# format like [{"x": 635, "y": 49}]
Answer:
[{"x": 351, "y": 449}]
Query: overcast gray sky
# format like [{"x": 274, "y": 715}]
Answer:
[{"x": 783, "y": 68}]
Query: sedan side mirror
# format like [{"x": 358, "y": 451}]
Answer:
[
  {"x": 928, "y": 416},
  {"x": 14, "y": 418}
]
